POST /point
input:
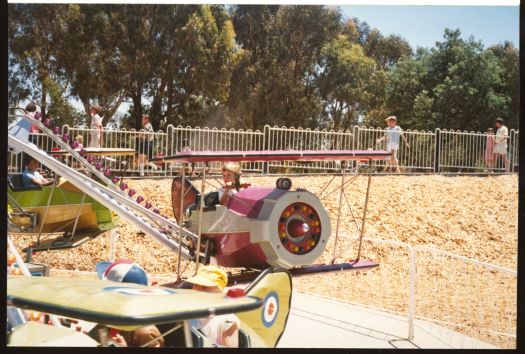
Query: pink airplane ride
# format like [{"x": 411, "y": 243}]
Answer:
[{"x": 262, "y": 227}]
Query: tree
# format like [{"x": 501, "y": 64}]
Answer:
[
  {"x": 465, "y": 80},
  {"x": 508, "y": 58},
  {"x": 278, "y": 74},
  {"x": 344, "y": 81},
  {"x": 252, "y": 26},
  {"x": 90, "y": 61},
  {"x": 457, "y": 85},
  {"x": 36, "y": 34},
  {"x": 406, "y": 83}
]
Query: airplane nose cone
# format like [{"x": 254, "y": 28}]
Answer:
[{"x": 297, "y": 228}]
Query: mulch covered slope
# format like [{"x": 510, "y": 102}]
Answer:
[{"x": 473, "y": 217}]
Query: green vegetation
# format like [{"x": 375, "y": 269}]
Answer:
[{"x": 245, "y": 66}]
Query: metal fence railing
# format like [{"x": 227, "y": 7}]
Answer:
[
  {"x": 283, "y": 138},
  {"x": 439, "y": 151},
  {"x": 476, "y": 299},
  {"x": 419, "y": 157},
  {"x": 462, "y": 151},
  {"x": 200, "y": 139},
  {"x": 15, "y": 163},
  {"x": 471, "y": 304}
]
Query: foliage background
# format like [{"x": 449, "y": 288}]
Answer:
[{"x": 245, "y": 66}]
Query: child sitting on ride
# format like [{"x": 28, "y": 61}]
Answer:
[
  {"x": 125, "y": 271},
  {"x": 222, "y": 330},
  {"x": 31, "y": 177},
  {"x": 231, "y": 174}
]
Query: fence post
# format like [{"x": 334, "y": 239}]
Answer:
[
  {"x": 512, "y": 149},
  {"x": 412, "y": 293},
  {"x": 437, "y": 150},
  {"x": 356, "y": 137},
  {"x": 266, "y": 143}
]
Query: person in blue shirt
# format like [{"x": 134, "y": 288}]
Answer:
[{"x": 32, "y": 178}]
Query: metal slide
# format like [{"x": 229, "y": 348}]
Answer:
[
  {"x": 117, "y": 201},
  {"x": 156, "y": 218}
]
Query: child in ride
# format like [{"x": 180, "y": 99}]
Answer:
[
  {"x": 393, "y": 132},
  {"x": 223, "y": 330},
  {"x": 231, "y": 174},
  {"x": 31, "y": 177},
  {"x": 125, "y": 271}
]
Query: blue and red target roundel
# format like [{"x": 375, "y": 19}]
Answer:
[{"x": 270, "y": 309}]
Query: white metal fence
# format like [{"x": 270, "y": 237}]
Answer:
[
  {"x": 283, "y": 138},
  {"x": 200, "y": 139},
  {"x": 470, "y": 303},
  {"x": 439, "y": 151},
  {"x": 436, "y": 291},
  {"x": 465, "y": 151},
  {"x": 467, "y": 296},
  {"x": 418, "y": 157}
]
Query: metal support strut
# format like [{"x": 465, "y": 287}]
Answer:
[
  {"x": 47, "y": 209},
  {"x": 343, "y": 174},
  {"x": 201, "y": 207},
  {"x": 181, "y": 217},
  {"x": 364, "y": 212}
]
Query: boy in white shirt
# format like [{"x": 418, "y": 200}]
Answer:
[{"x": 393, "y": 132}]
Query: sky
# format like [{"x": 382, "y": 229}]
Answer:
[{"x": 424, "y": 25}]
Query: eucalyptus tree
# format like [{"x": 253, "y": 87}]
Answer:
[
  {"x": 507, "y": 56},
  {"x": 35, "y": 44},
  {"x": 276, "y": 72},
  {"x": 90, "y": 59},
  {"x": 345, "y": 81},
  {"x": 464, "y": 80},
  {"x": 455, "y": 85},
  {"x": 196, "y": 65}
]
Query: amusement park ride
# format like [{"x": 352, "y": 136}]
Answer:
[
  {"x": 262, "y": 309},
  {"x": 259, "y": 230},
  {"x": 262, "y": 227}
]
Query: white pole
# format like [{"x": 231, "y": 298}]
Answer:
[
  {"x": 412, "y": 293},
  {"x": 112, "y": 244}
]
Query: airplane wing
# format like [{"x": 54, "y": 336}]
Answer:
[
  {"x": 32, "y": 334},
  {"x": 274, "y": 155},
  {"x": 121, "y": 305},
  {"x": 98, "y": 152}
]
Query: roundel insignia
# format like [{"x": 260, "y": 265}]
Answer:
[
  {"x": 270, "y": 309},
  {"x": 140, "y": 292}
]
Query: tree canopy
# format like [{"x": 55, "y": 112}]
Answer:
[{"x": 245, "y": 66}]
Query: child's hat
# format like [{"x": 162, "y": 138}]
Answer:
[
  {"x": 123, "y": 270},
  {"x": 391, "y": 118},
  {"x": 210, "y": 276}
]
